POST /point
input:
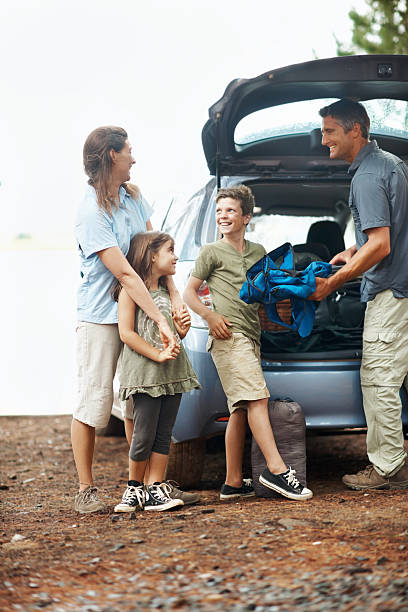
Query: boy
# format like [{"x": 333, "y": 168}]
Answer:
[{"x": 234, "y": 337}]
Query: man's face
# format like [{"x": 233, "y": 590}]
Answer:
[{"x": 341, "y": 144}]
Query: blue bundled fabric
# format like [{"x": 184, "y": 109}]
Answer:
[{"x": 269, "y": 282}]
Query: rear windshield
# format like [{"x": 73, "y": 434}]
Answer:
[{"x": 388, "y": 117}]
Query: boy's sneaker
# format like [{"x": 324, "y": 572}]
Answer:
[
  {"x": 87, "y": 501},
  {"x": 245, "y": 490},
  {"x": 156, "y": 499},
  {"x": 171, "y": 489},
  {"x": 286, "y": 484},
  {"x": 132, "y": 499}
]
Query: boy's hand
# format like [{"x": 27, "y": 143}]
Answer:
[
  {"x": 168, "y": 353},
  {"x": 218, "y": 326}
]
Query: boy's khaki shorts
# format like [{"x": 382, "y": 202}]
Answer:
[{"x": 238, "y": 362}]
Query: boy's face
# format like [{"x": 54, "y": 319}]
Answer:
[{"x": 229, "y": 217}]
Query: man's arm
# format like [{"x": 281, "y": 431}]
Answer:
[
  {"x": 373, "y": 251},
  {"x": 217, "y": 324}
]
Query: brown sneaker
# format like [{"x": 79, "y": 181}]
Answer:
[
  {"x": 400, "y": 479},
  {"x": 366, "y": 479},
  {"x": 87, "y": 501},
  {"x": 170, "y": 487}
]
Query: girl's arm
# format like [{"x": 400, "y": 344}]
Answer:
[
  {"x": 126, "y": 312},
  {"x": 116, "y": 262}
]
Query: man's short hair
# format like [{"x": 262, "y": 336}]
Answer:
[
  {"x": 242, "y": 193},
  {"x": 347, "y": 112}
]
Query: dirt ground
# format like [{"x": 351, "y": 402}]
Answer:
[{"x": 342, "y": 550}]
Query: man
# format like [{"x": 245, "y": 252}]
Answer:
[{"x": 379, "y": 204}]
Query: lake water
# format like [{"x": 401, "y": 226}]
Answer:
[{"x": 38, "y": 314}]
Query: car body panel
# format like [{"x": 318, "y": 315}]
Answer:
[{"x": 360, "y": 77}]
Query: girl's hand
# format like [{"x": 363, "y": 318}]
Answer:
[{"x": 168, "y": 353}]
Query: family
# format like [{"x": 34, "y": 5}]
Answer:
[{"x": 131, "y": 320}]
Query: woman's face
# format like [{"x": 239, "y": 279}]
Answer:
[{"x": 122, "y": 163}]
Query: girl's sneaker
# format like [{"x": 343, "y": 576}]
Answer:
[
  {"x": 132, "y": 499},
  {"x": 286, "y": 484},
  {"x": 156, "y": 499}
]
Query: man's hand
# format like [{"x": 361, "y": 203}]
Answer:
[
  {"x": 323, "y": 289},
  {"x": 218, "y": 325},
  {"x": 344, "y": 257}
]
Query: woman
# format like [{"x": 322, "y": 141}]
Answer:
[{"x": 112, "y": 212}]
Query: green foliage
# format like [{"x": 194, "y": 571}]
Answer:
[{"x": 383, "y": 29}]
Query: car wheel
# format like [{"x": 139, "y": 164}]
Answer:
[
  {"x": 115, "y": 427},
  {"x": 186, "y": 461}
]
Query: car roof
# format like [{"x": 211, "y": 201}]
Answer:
[{"x": 360, "y": 77}]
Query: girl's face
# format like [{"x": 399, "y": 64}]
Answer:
[{"x": 164, "y": 261}]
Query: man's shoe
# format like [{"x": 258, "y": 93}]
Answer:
[
  {"x": 286, "y": 484},
  {"x": 132, "y": 499},
  {"x": 368, "y": 478},
  {"x": 87, "y": 501},
  {"x": 170, "y": 489},
  {"x": 245, "y": 490},
  {"x": 156, "y": 499},
  {"x": 400, "y": 479}
]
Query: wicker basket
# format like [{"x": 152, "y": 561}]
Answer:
[{"x": 284, "y": 310}]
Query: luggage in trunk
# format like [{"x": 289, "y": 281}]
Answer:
[{"x": 289, "y": 428}]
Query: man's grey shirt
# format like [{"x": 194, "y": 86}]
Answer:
[{"x": 379, "y": 198}]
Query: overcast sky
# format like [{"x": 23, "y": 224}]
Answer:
[{"x": 152, "y": 67}]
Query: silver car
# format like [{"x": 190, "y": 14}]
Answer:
[{"x": 265, "y": 132}]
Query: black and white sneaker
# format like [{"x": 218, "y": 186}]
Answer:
[
  {"x": 286, "y": 484},
  {"x": 132, "y": 499},
  {"x": 245, "y": 490},
  {"x": 156, "y": 499}
]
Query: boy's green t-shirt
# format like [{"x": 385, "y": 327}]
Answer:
[{"x": 224, "y": 268}]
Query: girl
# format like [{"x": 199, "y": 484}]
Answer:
[
  {"x": 154, "y": 376},
  {"x": 111, "y": 213}
]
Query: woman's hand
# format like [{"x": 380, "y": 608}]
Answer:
[
  {"x": 182, "y": 321},
  {"x": 168, "y": 353},
  {"x": 166, "y": 335}
]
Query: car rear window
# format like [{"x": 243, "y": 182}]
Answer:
[{"x": 388, "y": 117}]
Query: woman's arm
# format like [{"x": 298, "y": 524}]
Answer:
[
  {"x": 126, "y": 312},
  {"x": 116, "y": 262}
]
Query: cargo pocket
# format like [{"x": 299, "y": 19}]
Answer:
[
  {"x": 379, "y": 352},
  {"x": 209, "y": 344}
]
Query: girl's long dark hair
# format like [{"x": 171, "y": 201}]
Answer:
[
  {"x": 141, "y": 250},
  {"x": 98, "y": 163}
]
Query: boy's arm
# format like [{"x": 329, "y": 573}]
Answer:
[
  {"x": 217, "y": 324},
  {"x": 126, "y": 324}
]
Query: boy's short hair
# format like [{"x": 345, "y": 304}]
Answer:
[
  {"x": 347, "y": 112},
  {"x": 242, "y": 193}
]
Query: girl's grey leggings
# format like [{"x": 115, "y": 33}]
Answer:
[{"x": 153, "y": 419}]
